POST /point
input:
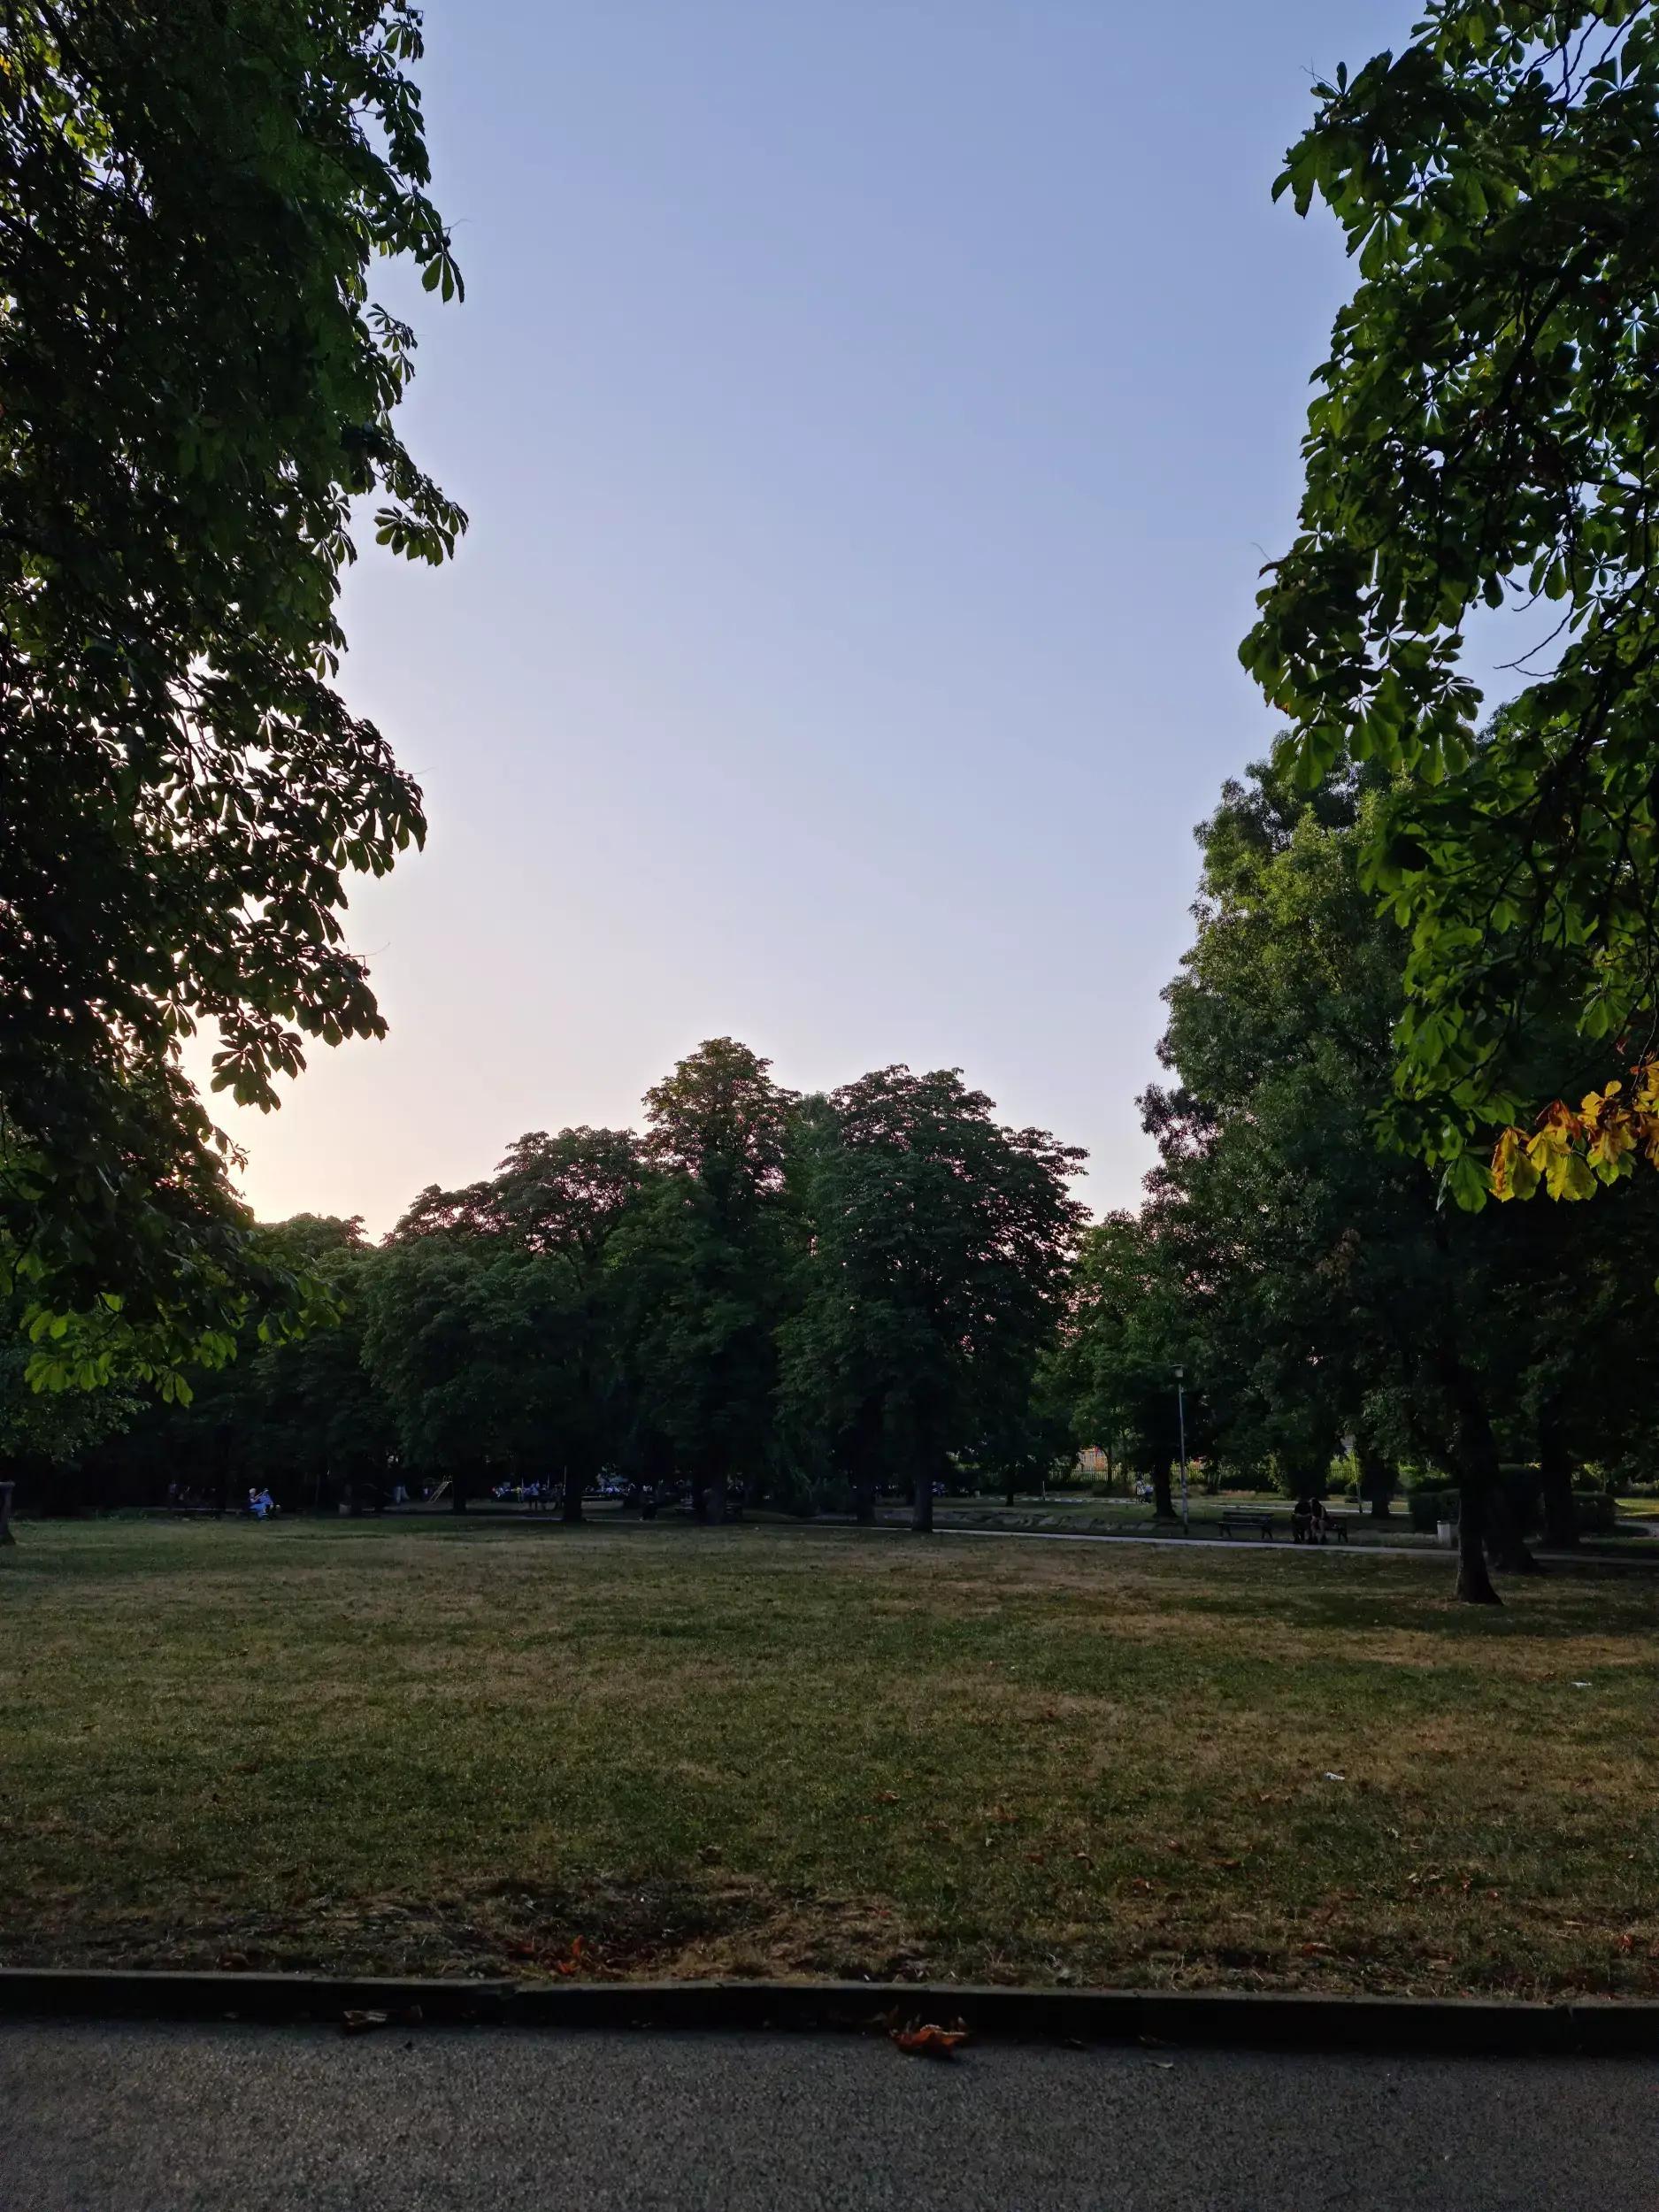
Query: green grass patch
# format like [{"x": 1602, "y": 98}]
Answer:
[{"x": 429, "y": 1748}]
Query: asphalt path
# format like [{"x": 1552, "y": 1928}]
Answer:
[
  {"x": 1430, "y": 1555},
  {"x": 133, "y": 2118}
]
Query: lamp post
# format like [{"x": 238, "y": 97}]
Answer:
[{"x": 1180, "y": 1417}]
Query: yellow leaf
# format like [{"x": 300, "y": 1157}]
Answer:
[
  {"x": 1548, "y": 1149},
  {"x": 1614, "y": 1138},
  {"x": 1598, "y": 1104},
  {"x": 1513, "y": 1174},
  {"x": 1570, "y": 1178}
]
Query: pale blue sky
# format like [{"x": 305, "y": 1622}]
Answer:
[{"x": 872, "y": 414}]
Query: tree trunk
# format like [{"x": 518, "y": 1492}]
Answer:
[
  {"x": 1554, "y": 1475},
  {"x": 6, "y": 1489},
  {"x": 1376, "y": 1477},
  {"x": 1474, "y": 1584},
  {"x": 1476, "y": 1462},
  {"x": 714, "y": 1497},
  {"x": 865, "y": 1501},
  {"x": 458, "y": 1487},
  {"x": 1163, "y": 1502},
  {"x": 1010, "y": 1487},
  {"x": 1506, "y": 1546},
  {"x": 574, "y": 1484},
  {"x": 922, "y": 1496}
]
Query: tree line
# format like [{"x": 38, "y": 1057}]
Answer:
[
  {"x": 815, "y": 1301},
  {"x": 801, "y": 1300}
]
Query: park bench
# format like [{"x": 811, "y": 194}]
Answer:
[{"x": 1241, "y": 1519}]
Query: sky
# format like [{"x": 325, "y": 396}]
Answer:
[{"x": 873, "y": 417}]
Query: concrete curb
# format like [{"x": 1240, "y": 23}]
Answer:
[{"x": 1244, "y": 2019}]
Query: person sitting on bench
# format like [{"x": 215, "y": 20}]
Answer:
[{"x": 1311, "y": 1524}]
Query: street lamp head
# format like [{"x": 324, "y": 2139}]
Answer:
[{"x": 1180, "y": 1373}]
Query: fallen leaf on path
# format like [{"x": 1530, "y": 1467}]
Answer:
[
  {"x": 360, "y": 2023},
  {"x": 929, "y": 2040}
]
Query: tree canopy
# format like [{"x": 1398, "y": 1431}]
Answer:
[
  {"x": 492, "y": 1326},
  {"x": 1311, "y": 1280},
  {"x": 198, "y": 389},
  {"x": 701, "y": 1271},
  {"x": 937, "y": 1244},
  {"x": 1482, "y": 438}
]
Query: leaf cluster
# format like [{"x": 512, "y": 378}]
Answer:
[
  {"x": 198, "y": 392},
  {"x": 1482, "y": 437}
]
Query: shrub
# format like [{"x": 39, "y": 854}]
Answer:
[
  {"x": 1428, "y": 1507},
  {"x": 1598, "y": 1514}
]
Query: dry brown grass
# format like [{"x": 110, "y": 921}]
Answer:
[{"x": 426, "y": 1749}]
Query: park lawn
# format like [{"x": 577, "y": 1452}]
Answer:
[{"x": 421, "y": 1747}]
